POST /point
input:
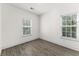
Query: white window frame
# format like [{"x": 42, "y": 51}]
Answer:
[
  {"x": 64, "y": 26},
  {"x": 25, "y": 26}
]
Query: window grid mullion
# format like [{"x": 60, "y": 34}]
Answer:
[{"x": 68, "y": 27}]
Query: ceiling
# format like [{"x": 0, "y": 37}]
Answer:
[
  {"x": 41, "y": 8},
  {"x": 37, "y": 8}
]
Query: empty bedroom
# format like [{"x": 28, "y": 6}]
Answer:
[{"x": 39, "y": 29}]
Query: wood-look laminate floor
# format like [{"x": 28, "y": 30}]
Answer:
[{"x": 39, "y": 48}]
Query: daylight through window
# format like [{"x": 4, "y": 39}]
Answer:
[{"x": 69, "y": 26}]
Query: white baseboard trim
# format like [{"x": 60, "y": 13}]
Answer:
[{"x": 61, "y": 45}]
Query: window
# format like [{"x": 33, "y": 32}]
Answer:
[
  {"x": 69, "y": 26},
  {"x": 27, "y": 27}
]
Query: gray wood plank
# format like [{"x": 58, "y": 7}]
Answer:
[{"x": 39, "y": 48}]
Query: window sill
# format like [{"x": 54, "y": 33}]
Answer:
[
  {"x": 69, "y": 38},
  {"x": 27, "y": 35}
]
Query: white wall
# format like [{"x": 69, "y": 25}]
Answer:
[
  {"x": 12, "y": 26},
  {"x": 51, "y": 26},
  {"x": 0, "y": 26}
]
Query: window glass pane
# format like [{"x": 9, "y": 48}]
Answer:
[
  {"x": 64, "y": 29},
  {"x": 74, "y": 35},
  {"x": 64, "y": 17},
  {"x": 64, "y": 34},
  {"x": 26, "y": 30},
  {"x": 68, "y": 34},
  {"x": 68, "y": 18},
  {"x": 69, "y": 29},
  {"x": 26, "y": 22},
  {"x": 74, "y": 17},
  {"x": 73, "y": 29},
  {"x": 73, "y": 22},
  {"x": 64, "y": 22},
  {"x": 69, "y": 23}
]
